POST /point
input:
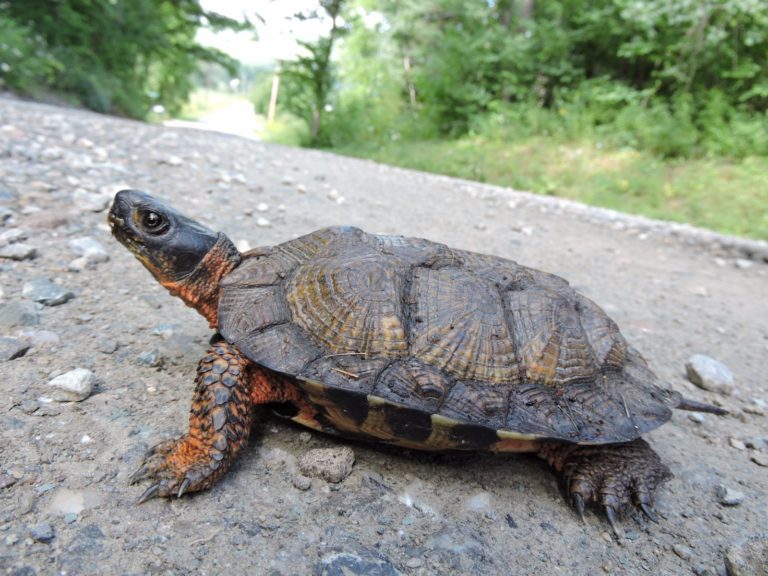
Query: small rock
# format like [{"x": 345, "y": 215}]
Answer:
[
  {"x": 29, "y": 406},
  {"x": 12, "y": 348},
  {"x": 6, "y": 481},
  {"x": 171, "y": 160},
  {"x": 70, "y": 518},
  {"x": 333, "y": 194},
  {"x": 89, "y": 249},
  {"x": 743, "y": 263},
  {"x": 262, "y": 207},
  {"x": 107, "y": 346},
  {"x": 759, "y": 459},
  {"x": 414, "y": 563},
  {"x": 301, "y": 189},
  {"x": 263, "y": 222},
  {"x": 682, "y": 551},
  {"x": 738, "y": 444},
  {"x": 709, "y": 374},
  {"x": 151, "y": 359},
  {"x": 747, "y": 558},
  {"x": 301, "y": 482},
  {"x": 287, "y": 180},
  {"x": 89, "y": 201},
  {"x": 42, "y": 532},
  {"x": 12, "y": 235},
  {"x": 17, "y": 313},
  {"x": 728, "y": 497},
  {"x": 73, "y": 386},
  {"x": 697, "y": 417},
  {"x": 46, "y": 292},
  {"x": 330, "y": 464},
  {"x": 40, "y": 338},
  {"x": 18, "y": 252}
]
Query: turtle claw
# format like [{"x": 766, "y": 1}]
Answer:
[
  {"x": 183, "y": 488},
  {"x": 649, "y": 513},
  {"x": 149, "y": 493},
  {"x": 610, "y": 513},
  {"x": 578, "y": 502}
]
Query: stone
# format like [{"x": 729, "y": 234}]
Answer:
[
  {"x": 73, "y": 386},
  {"x": 738, "y": 444},
  {"x": 46, "y": 292},
  {"x": 682, "y": 551},
  {"x": 18, "y": 313},
  {"x": 760, "y": 459},
  {"x": 727, "y": 496},
  {"x": 42, "y": 532},
  {"x": 709, "y": 374},
  {"x": 12, "y": 348},
  {"x": 262, "y": 222},
  {"x": 330, "y": 464},
  {"x": 747, "y": 558},
  {"x": 301, "y": 482},
  {"x": 89, "y": 201},
  {"x": 90, "y": 249},
  {"x": 18, "y": 252},
  {"x": 12, "y": 235}
]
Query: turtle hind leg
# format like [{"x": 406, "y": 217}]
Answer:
[
  {"x": 615, "y": 477},
  {"x": 219, "y": 424}
]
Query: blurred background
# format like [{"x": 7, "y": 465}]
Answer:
[{"x": 655, "y": 107}]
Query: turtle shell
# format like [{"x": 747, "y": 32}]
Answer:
[{"x": 421, "y": 334}]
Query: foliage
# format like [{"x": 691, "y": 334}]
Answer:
[
  {"x": 24, "y": 59},
  {"x": 117, "y": 56}
]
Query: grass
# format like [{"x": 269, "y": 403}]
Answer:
[{"x": 730, "y": 196}]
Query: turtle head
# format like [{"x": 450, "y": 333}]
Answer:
[{"x": 183, "y": 255}]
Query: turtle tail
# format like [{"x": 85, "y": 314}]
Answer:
[{"x": 694, "y": 406}]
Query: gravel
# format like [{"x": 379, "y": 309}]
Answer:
[{"x": 254, "y": 520}]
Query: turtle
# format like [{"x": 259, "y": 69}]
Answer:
[{"x": 401, "y": 341}]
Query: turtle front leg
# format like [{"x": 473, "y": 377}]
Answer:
[
  {"x": 219, "y": 424},
  {"x": 613, "y": 476}
]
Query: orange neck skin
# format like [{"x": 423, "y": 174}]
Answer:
[{"x": 200, "y": 290}]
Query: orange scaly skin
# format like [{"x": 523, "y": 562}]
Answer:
[
  {"x": 226, "y": 388},
  {"x": 200, "y": 290}
]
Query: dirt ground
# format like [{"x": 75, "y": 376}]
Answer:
[{"x": 65, "y": 503}]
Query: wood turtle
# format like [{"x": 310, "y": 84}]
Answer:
[{"x": 403, "y": 341}]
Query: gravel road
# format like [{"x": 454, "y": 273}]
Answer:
[{"x": 72, "y": 298}]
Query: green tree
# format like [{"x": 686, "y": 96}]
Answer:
[{"x": 119, "y": 56}]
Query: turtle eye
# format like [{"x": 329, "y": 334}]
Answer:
[{"x": 153, "y": 222}]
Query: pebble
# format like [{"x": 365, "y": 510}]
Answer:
[
  {"x": 89, "y": 201},
  {"x": 301, "y": 482},
  {"x": 709, "y": 374},
  {"x": 40, "y": 338},
  {"x": 29, "y": 406},
  {"x": 18, "y": 252},
  {"x": 743, "y": 263},
  {"x": 738, "y": 444},
  {"x": 12, "y": 348},
  {"x": 682, "y": 551},
  {"x": 727, "y": 496},
  {"x": 107, "y": 346},
  {"x": 301, "y": 189},
  {"x": 172, "y": 160},
  {"x": 46, "y": 292},
  {"x": 697, "y": 417},
  {"x": 747, "y": 558},
  {"x": 414, "y": 563},
  {"x": 330, "y": 464},
  {"x": 262, "y": 207},
  {"x": 18, "y": 313},
  {"x": 760, "y": 459},
  {"x": 151, "y": 359},
  {"x": 89, "y": 248},
  {"x": 73, "y": 386},
  {"x": 12, "y": 235},
  {"x": 6, "y": 480},
  {"x": 42, "y": 532},
  {"x": 263, "y": 222}
]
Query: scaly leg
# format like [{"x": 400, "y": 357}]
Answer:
[
  {"x": 613, "y": 476},
  {"x": 226, "y": 388}
]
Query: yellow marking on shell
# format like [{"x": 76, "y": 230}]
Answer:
[
  {"x": 509, "y": 435},
  {"x": 444, "y": 421}
]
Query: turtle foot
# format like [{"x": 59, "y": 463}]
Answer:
[
  {"x": 177, "y": 467},
  {"x": 614, "y": 477}
]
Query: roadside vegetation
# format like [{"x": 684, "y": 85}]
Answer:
[{"x": 657, "y": 107}]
